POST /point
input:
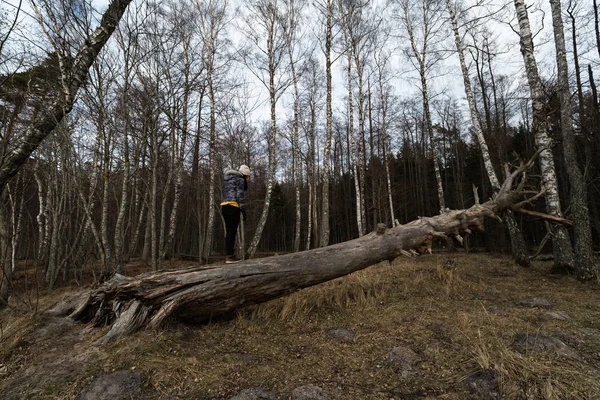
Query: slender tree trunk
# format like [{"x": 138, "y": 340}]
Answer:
[
  {"x": 17, "y": 203},
  {"x": 312, "y": 179},
  {"x": 123, "y": 207},
  {"x": 272, "y": 140},
  {"x": 167, "y": 251},
  {"x": 563, "y": 251},
  {"x": 154, "y": 234},
  {"x": 583, "y": 123},
  {"x": 212, "y": 162},
  {"x": 355, "y": 158},
  {"x": 324, "y": 239},
  {"x": 519, "y": 249},
  {"x": 429, "y": 128},
  {"x": 5, "y": 251},
  {"x": 147, "y": 248},
  {"x": 596, "y": 26},
  {"x": 585, "y": 267},
  {"x": 383, "y": 139},
  {"x": 140, "y": 204},
  {"x": 361, "y": 144},
  {"x": 42, "y": 219},
  {"x": 297, "y": 168}
]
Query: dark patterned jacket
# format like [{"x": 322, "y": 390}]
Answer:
[{"x": 235, "y": 185}]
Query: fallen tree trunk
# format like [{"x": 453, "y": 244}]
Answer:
[{"x": 201, "y": 293}]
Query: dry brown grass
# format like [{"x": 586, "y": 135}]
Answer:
[{"x": 459, "y": 317}]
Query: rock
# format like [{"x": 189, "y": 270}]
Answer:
[
  {"x": 484, "y": 385},
  {"x": 560, "y": 315},
  {"x": 255, "y": 394},
  {"x": 538, "y": 302},
  {"x": 568, "y": 339},
  {"x": 118, "y": 385},
  {"x": 309, "y": 392},
  {"x": 401, "y": 357},
  {"x": 342, "y": 334},
  {"x": 540, "y": 343}
]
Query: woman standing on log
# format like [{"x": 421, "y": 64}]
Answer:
[{"x": 236, "y": 183}]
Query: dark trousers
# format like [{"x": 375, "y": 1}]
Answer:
[{"x": 231, "y": 215}]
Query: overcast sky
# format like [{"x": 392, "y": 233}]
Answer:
[{"x": 509, "y": 61}]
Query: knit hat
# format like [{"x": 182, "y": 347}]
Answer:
[{"x": 244, "y": 170}]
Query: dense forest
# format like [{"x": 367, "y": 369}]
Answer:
[{"x": 116, "y": 122}]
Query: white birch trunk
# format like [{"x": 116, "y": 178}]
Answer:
[
  {"x": 383, "y": 101},
  {"x": 104, "y": 234},
  {"x": 41, "y": 218},
  {"x": 563, "y": 251},
  {"x": 324, "y": 239},
  {"x": 353, "y": 149},
  {"x": 212, "y": 165},
  {"x": 420, "y": 56},
  {"x": 17, "y": 205},
  {"x": 272, "y": 143},
  {"x": 429, "y": 127},
  {"x": 123, "y": 207},
  {"x": 312, "y": 178},
  {"x": 361, "y": 146},
  {"x": 297, "y": 169},
  {"x": 519, "y": 249}
]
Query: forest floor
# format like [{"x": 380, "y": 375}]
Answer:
[{"x": 442, "y": 326}]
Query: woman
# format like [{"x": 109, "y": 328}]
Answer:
[{"x": 236, "y": 183}]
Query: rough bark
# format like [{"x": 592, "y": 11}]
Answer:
[
  {"x": 290, "y": 31},
  {"x": 212, "y": 152},
  {"x": 324, "y": 233},
  {"x": 561, "y": 244},
  {"x": 198, "y": 294},
  {"x": 519, "y": 250},
  {"x": 421, "y": 52},
  {"x": 585, "y": 269},
  {"x": 5, "y": 251},
  {"x": 597, "y": 26},
  {"x": 355, "y": 154},
  {"x": 383, "y": 101}
]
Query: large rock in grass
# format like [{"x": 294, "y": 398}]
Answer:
[
  {"x": 115, "y": 386},
  {"x": 539, "y": 343}
]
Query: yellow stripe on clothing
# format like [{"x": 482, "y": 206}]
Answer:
[{"x": 230, "y": 203}]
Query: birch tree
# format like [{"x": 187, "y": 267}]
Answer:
[
  {"x": 213, "y": 22},
  {"x": 291, "y": 30},
  {"x": 519, "y": 249},
  {"x": 327, "y": 9},
  {"x": 585, "y": 267},
  {"x": 382, "y": 58},
  {"x": 266, "y": 62},
  {"x": 562, "y": 249},
  {"x": 313, "y": 81},
  {"x": 349, "y": 9},
  {"x": 423, "y": 23}
]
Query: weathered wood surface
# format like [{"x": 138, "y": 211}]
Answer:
[{"x": 200, "y": 293}]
